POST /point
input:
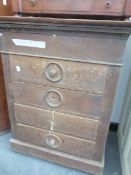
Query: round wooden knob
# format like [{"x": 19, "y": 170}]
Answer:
[
  {"x": 53, "y": 98},
  {"x": 53, "y": 141},
  {"x": 53, "y": 72},
  {"x": 108, "y": 4}
]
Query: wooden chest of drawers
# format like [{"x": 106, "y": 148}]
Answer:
[
  {"x": 61, "y": 77},
  {"x": 76, "y": 7}
]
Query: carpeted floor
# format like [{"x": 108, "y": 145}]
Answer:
[{"x": 12, "y": 163}]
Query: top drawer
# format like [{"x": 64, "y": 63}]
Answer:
[
  {"x": 40, "y": 6},
  {"x": 98, "y": 48},
  {"x": 59, "y": 73}
]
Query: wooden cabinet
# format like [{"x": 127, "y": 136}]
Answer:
[
  {"x": 61, "y": 82},
  {"x": 5, "y": 10},
  {"x": 76, "y": 7},
  {"x": 4, "y": 120}
]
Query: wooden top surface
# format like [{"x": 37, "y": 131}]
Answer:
[{"x": 110, "y": 26}]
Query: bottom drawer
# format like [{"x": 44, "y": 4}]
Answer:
[{"x": 68, "y": 144}]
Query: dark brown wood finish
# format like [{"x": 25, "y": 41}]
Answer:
[
  {"x": 83, "y": 7},
  {"x": 4, "y": 120},
  {"x": 5, "y": 10},
  {"x": 56, "y": 112}
]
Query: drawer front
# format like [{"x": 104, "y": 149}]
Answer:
[
  {"x": 71, "y": 5},
  {"x": 56, "y": 5},
  {"x": 87, "y": 48},
  {"x": 63, "y": 74},
  {"x": 31, "y": 5},
  {"x": 59, "y": 142},
  {"x": 57, "y": 99},
  {"x": 58, "y": 122},
  {"x": 109, "y": 6}
]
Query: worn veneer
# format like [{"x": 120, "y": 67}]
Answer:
[{"x": 61, "y": 78}]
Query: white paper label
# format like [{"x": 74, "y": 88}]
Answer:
[
  {"x": 4, "y": 2},
  {"x": 18, "y": 68},
  {"x": 29, "y": 43},
  {"x": 0, "y": 34}
]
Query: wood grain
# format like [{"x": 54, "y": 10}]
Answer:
[
  {"x": 34, "y": 95},
  {"x": 65, "y": 46},
  {"x": 71, "y": 145},
  {"x": 4, "y": 120},
  {"x": 73, "y": 75},
  {"x": 6, "y": 10},
  {"x": 62, "y": 123}
]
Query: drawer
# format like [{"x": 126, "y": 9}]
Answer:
[
  {"x": 70, "y": 46},
  {"x": 109, "y": 6},
  {"x": 59, "y": 142},
  {"x": 58, "y": 122},
  {"x": 56, "y": 99},
  {"x": 48, "y": 6},
  {"x": 31, "y": 5},
  {"x": 59, "y": 73},
  {"x": 68, "y": 5}
]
